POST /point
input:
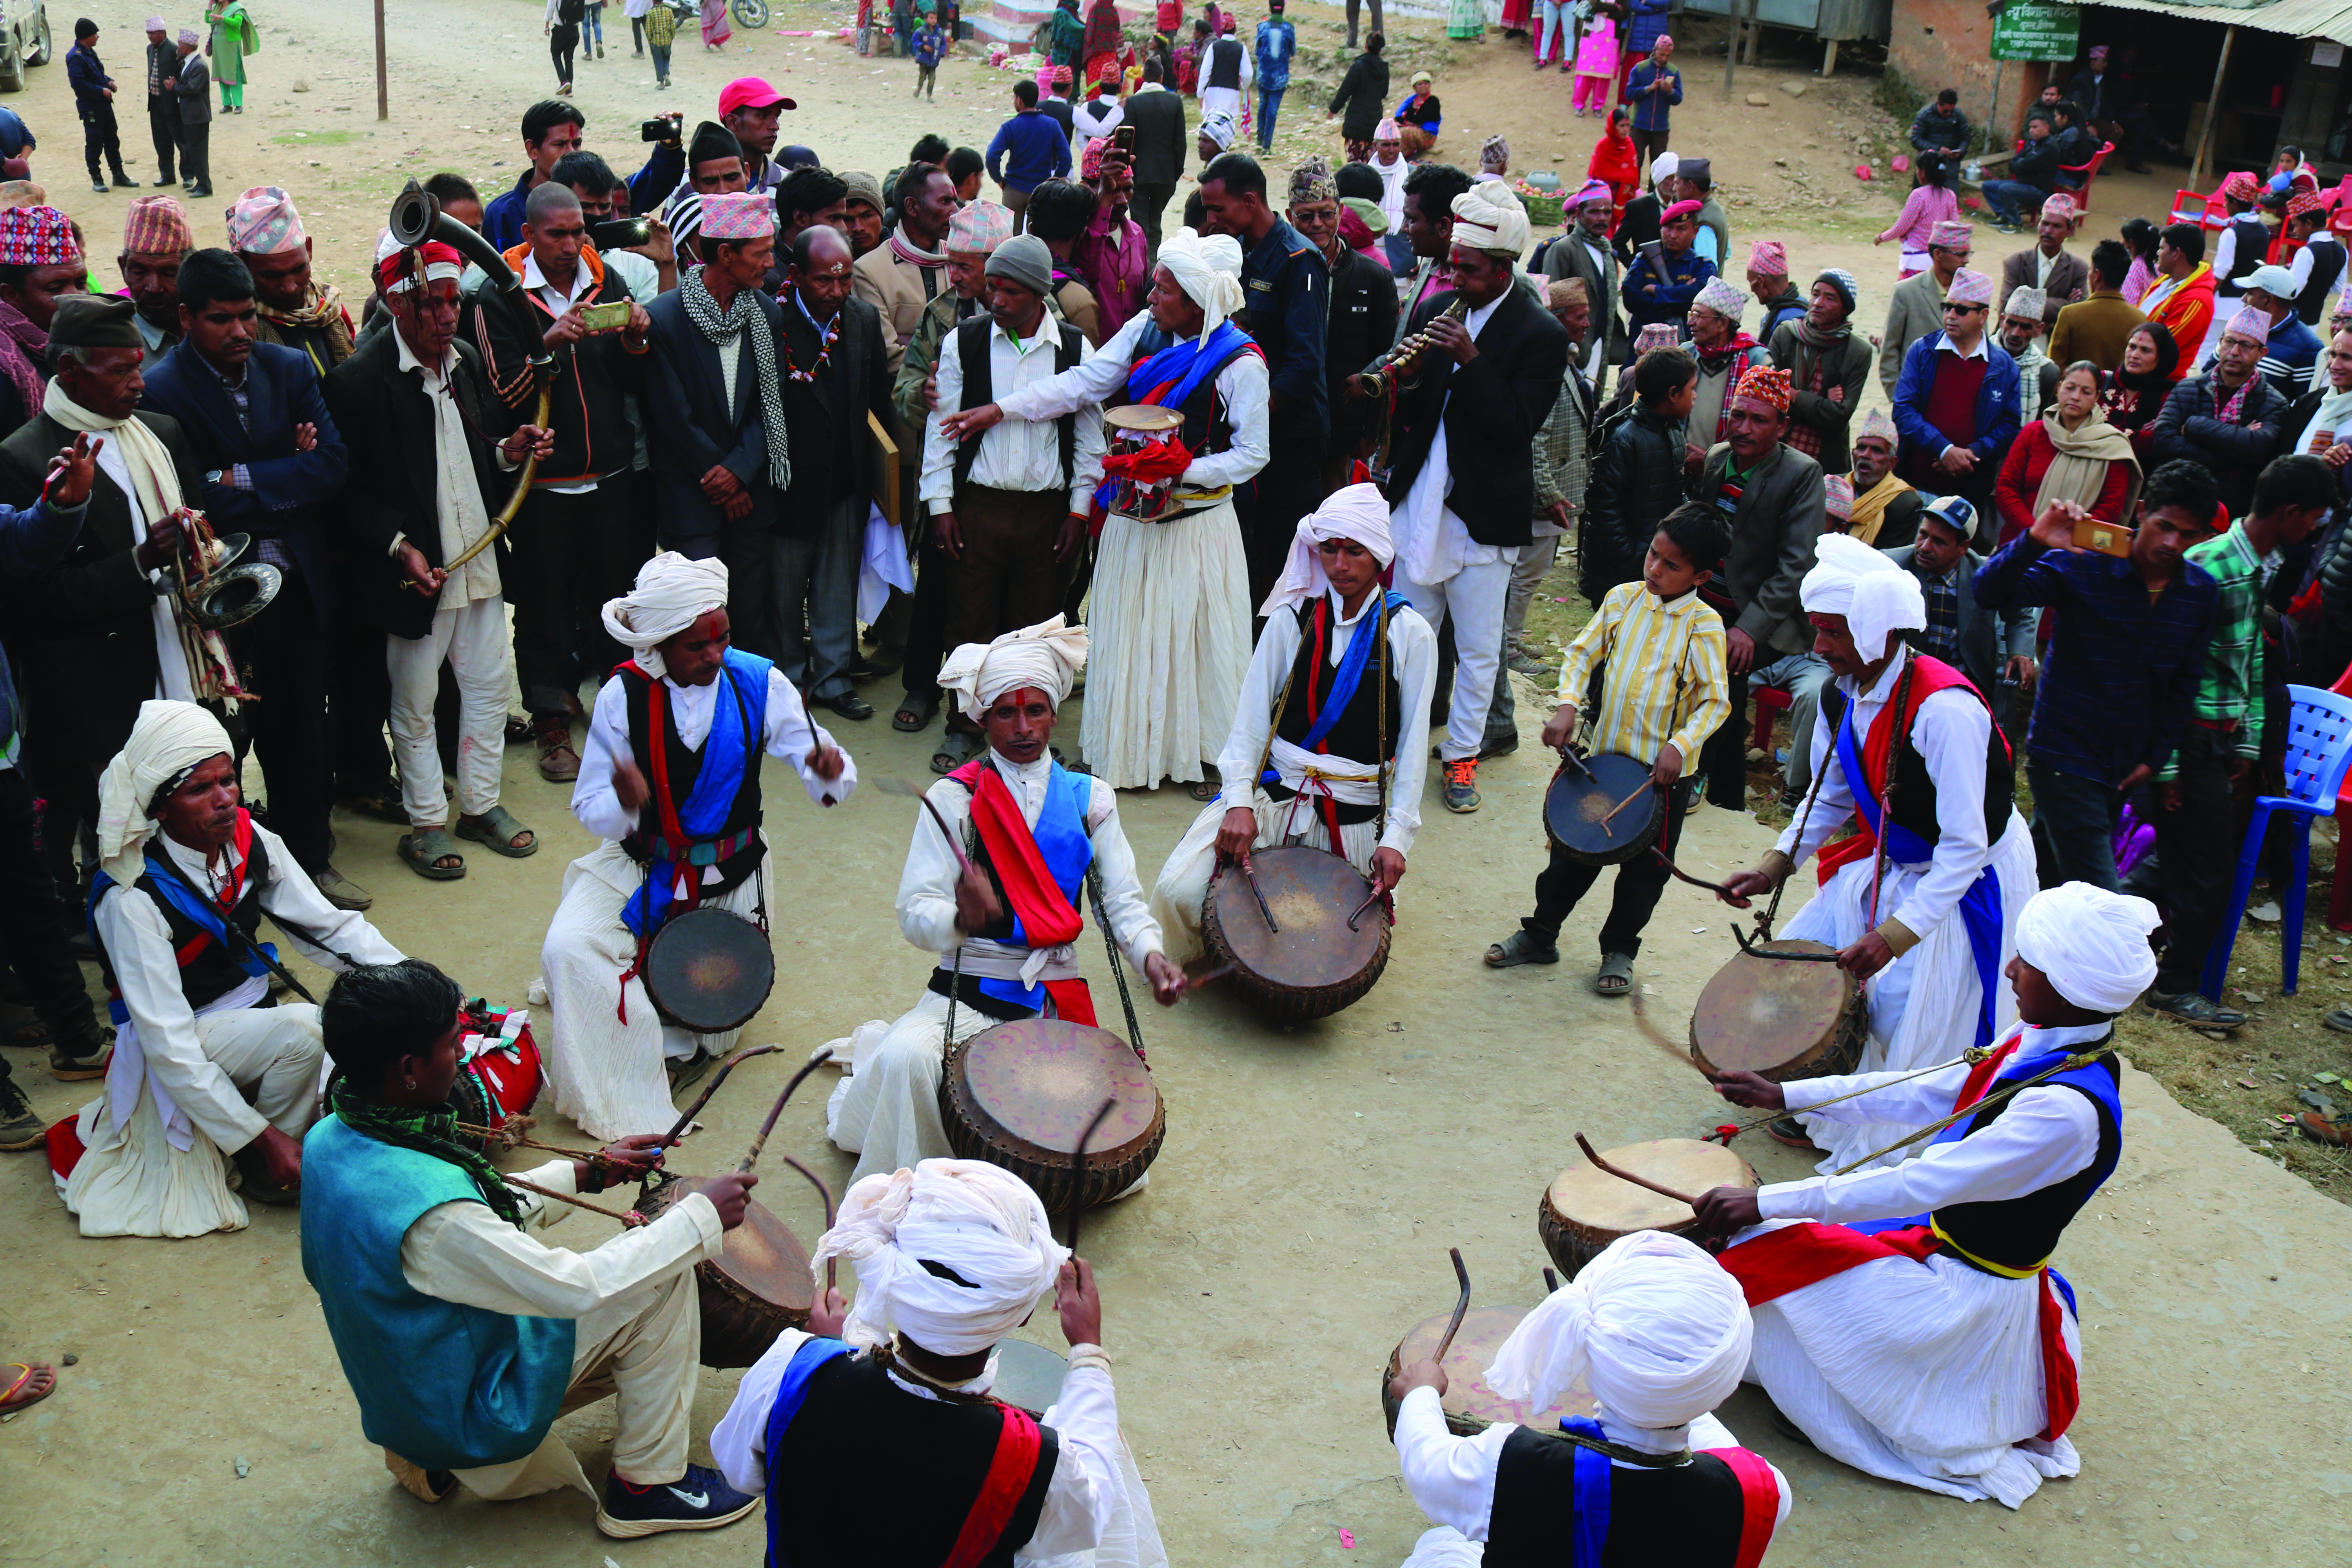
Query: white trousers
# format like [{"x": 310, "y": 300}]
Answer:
[
  {"x": 1475, "y": 598},
  {"x": 645, "y": 1346},
  {"x": 1222, "y": 99},
  {"x": 473, "y": 640},
  {"x": 886, "y": 1109},
  {"x": 1182, "y": 887}
]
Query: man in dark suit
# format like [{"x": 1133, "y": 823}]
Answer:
[
  {"x": 1156, "y": 111},
  {"x": 1987, "y": 646},
  {"x": 719, "y": 440},
  {"x": 1363, "y": 306},
  {"x": 90, "y": 627},
  {"x": 1583, "y": 252},
  {"x": 836, "y": 360},
  {"x": 2062, "y": 277},
  {"x": 257, "y": 422},
  {"x": 1463, "y": 490}
]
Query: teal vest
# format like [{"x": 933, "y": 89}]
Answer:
[{"x": 447, "y": 1387}]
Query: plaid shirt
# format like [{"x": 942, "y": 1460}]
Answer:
[
  {"x": 2230, "y": 690},
  {"x": 1942, "y": 638},
  {"x": 2120, "y": 685}
]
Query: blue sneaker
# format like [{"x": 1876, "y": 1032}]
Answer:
[{"x": 700, "y": 1499}]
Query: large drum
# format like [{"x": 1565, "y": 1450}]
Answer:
[
  {"x": 1577, "y": 808},
  {"x": 1780, "y": 1019},
  {"x": 1470, "y": 1406},
  {"x": 1020, "y": 1094},
  {"x": 1028, "y": 1376},
  {"x": 753, "y": 1290},
  {"x": 1129, "y": 429},
  {"x": 709, "y": 970},
  {"x": 1587, "y": 1208},
  {"x": 1308, "y": 963}
]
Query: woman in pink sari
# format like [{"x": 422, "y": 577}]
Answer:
[
  {"x": 1596, "y": 62},
  {"x": 716, "y": 28}
]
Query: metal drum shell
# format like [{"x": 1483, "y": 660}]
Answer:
[
  {"x": 1273, "y": 999},
  {"x": 1614, "y": 777},
  {"x": 1573, "y": 1243},
  {"x": 671, "y": 960},
  {"x": 739, "y": 1324},
  {"x": 1483, "y": 1332},
  {"x": 1837, "y": 1051},
  {"x": 975, "y": 1134}
]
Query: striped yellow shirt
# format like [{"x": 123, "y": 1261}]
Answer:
[{"x": 1662, "y": 675}]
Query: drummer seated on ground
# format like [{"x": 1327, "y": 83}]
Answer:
[
  {"x": 1659, "y": 1336},
  {"x": 1328, "y": 742},
  {"x": 992, "y": 884},
  {"x": 671, "y": 783},
  {"x": 952, "y": 1256},
  {"x": 1938, "y": 1349},
  {"x": 205, "y": 1073},
  {"x": 1664, "y": 690},
  {"x": 464, "y": 1338}
]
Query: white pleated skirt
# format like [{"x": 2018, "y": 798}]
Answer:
[{"x": 1169, "y": 630}]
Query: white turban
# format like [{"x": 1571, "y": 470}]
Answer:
[
  {"x": 968, "y": 1216},
  {"x": 1494, "y": 222},
  {"x": 169, "y": 739},
  {"x": 1047, "y": 656},
  {"x": 1663, "y": 166},
  {"x": 1209, "y": 269},
  {"x": 1359, "y": 512},
  {"x": 1864, "y": 585},
  {"x": 2093, "y": 944},
  {"x": 671, "y": 594},
  {"x": 1653, "y": 1327}
]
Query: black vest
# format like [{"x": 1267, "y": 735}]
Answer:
[
  {"x": 215, "y": 972},
  {"x": 2253, "y": 244},
  {"x": 1224, "y": 68},
  {"x": 1687, "y": 1515},
  {"x": 980, "y": 389},
  {"x": 1357, "y": 735},
  {"x": 2326, "y": 271},
  {"x": 684, "y": 764},
  {"x": 2020, "y": 1233},
  {"x": 946, "y": 981},
  {"x": 1914, "y": 787},
  {"x": 871, "y": 1517}
]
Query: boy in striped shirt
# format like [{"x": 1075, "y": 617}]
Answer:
[{"x": 1664, "y": 690}]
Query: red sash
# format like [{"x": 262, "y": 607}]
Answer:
[
  {"x": 1046, "y": 916},
  {"x": 1009, "y": 1472},
  {"x": 1928, "y": 676},
  {"x": 1759, "y": 1499}
]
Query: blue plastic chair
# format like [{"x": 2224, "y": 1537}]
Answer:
[{"x": 2318, "y": 750}]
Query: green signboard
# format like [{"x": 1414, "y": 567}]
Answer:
[{"x": 2025, "y": 31}]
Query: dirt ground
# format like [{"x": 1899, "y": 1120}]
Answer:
[{"x": 1298, "y": 1219}]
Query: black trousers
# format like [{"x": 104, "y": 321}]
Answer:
[
  {"x": 359, "y": 683},
  {"x": 102, "y": 138},
  {"x": 35, "y": 917},
  {"x": 2197, "y": 854},
  {"x": 571, "y": 553},
  {"x": 163, "y": 126},
  {"x": 287, "y": 654},
  {"x": 1288, "y": 488},
  {"x": 1724, "y": 754},
  {"x": 196, "y": 155},
  {"x": 1638, "y": 882},
  {"x": 1647, "y": 144},
  {"x": 1147, "y": 207},
  {"x": 925, "y": 639},
  {"x": 560, "y": 43}
]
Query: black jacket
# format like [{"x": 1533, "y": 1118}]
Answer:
[
  {"x": 1566, "y": 256},
  {"x": 1638, "y": 227},
  {"x": 696, "y": 429},
  {"x": 1363, "y": 93},
  {"x": 588, "y": 404},
  {"x": 833, "y": 452},
  {"x": 1493, "y": 407},
  {"x": 1636, "y": 478},
  {"x": 387, "y": 424},
  {"x": 84, "y": 625},
  {"x": 1160, "y": 140},
  {"x": 1363, "y": 325},
  {"x": 2235, "y": 453}
]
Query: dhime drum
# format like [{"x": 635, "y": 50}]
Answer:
[
  {"x": 1470, "y": 1406},
  {"x": 1780, "y": 1019},
  {"x": 709, "y": 970},
  {"x": 754, "y": 1290},
  {"x": 1593, "y": 816},
  {"x": 1294, "y": 956},
  {"x": 1020, "y": 1096},
  {"x": 1128, "y": 430},
  {"x": 1587, "y": 1207},
  {"x": 501, "y": 1074},
  {"x": 1028, "y": 1377}
]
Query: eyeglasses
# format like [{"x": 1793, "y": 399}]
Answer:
[{"x": 1952, "y": 309}]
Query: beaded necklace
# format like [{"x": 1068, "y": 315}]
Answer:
[{"x": 792, "y": 371}]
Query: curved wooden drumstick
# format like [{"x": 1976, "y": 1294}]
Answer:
[
  {"x": 824, "y": 1054},
  {"x": 825, "y": 1194},
  {"x": 1625, "y": 1176},
  {"x": 1646, "y": 787},
  {"x": 1079, "y": 1166},
  {"x": 679, "y": 1130},
  {"x": 1552, "y": 1282},
  {"x": 1460, "y": 1306},
  {"x": 1657, "y": 1037}
]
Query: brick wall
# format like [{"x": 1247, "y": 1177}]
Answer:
[{"x": 1937, "y": 44}]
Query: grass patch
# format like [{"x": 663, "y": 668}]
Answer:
[{"x": 318, "y": 138}]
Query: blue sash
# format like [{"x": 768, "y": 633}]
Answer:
[
  {"x": 1980, "y": 907},
  {"x": 1592, "y": 1493},
  {"x": 1187, "y": 364},
  {"x": 1344, "y": 682},
  {"x": 791, "y": 1393},
  {"x": 1062, "y": 842},
  {"x": 735, "y": 728},
  {"x": 173, "y": 890}
]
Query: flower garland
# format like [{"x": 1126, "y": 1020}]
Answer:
[{"x": 792, "y": 371}]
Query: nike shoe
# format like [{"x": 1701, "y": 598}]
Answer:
[{"x": 700, "y": 1499}]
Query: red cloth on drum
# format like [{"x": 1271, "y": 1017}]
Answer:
[
  {"x": 1046, "y": 917},
  {"x": 1759, "y": 1499},
  {"x": 1928, "y": 676},
  {"x": 1153, "y": 463},
  {"x": 1009, "y": 1471}
]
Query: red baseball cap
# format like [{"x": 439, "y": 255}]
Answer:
[{"x": 751, "y": 92}]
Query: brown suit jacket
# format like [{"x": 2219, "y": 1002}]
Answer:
[
  {"x": 2095, "y": 329},
  {"x": 2070, "y": 280}
]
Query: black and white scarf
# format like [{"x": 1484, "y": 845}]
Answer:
[{"x": 721, "y": 329}]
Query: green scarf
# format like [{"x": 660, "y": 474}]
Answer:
[{"x": 433, "y": 1133}]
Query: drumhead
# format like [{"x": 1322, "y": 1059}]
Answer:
[
  {"x": 1311, "y": 893},
  {"x": 1041, "y": 1080},
  {"x": 1028, "y": 1376},
  {"x": 1483, "y": 1332},
  {"x": 1149, "y": 418},
  {"x": 1574, "y": 806},
  {"x": 1587, "y": 1195},
  {"x": 1758, "y": 1015},
  {"x": 766, "y": 1259},
  {"x": 709, "y": 970}
]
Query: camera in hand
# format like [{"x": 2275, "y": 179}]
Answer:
[
  {"x": 661, "y": 128},
  {"x": 620, "y": 232}
]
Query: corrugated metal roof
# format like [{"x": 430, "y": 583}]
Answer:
[{"x": 2297, "y": 19}]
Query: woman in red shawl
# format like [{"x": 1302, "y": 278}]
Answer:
[
  {"x": 1616, "y": 163},
  {"x": 1103, "y": 43}
]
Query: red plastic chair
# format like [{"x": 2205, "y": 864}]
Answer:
[
  {"x": 1768, "y": 701},
  {"x": 2090, "y": 172}
]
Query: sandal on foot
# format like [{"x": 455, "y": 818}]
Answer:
[
  {"x": 914, "y": 714},
  {"x": 1520, "y": 947},
  {"x": 952, "y": 754},
  {"x": 425, "y": 849},
  {"x": 1616, "y": 975},
  {"x": 25, "y": 1388},
  {"x": 430, "y": 1486},
  {"x": 1208, "y": 788},
  {"x": 496, "y": 829}
]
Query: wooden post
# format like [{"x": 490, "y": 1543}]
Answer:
[
  {"x": 1730, "y": 46},
  {"x": 382, "y": 97},
  {"x": 2212, "y": 111},
  {"x": 1829, "y": 59},
  {"x": 1994, "y": 146},
  {"x": 1755, "y": 31}
]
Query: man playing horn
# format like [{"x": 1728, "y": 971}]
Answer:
[
  {"x": 1332, "y": 732},
  {"x": 998, "y": 901},
  {"x": 671, "y": 784}
]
